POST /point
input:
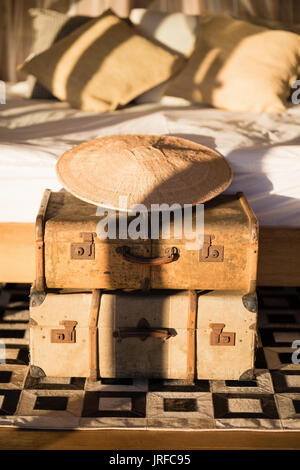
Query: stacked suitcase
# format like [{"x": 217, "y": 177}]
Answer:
[{"x": 143, "y": 308}]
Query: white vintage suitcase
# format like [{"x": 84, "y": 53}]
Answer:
[{"x": 162, "y": 334}]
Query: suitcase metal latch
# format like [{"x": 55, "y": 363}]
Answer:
[
  {"x": 220, "y": 338},
  {"x": 86, "y": 249},
  {"x": 209, "y": 252},
  {"x": 67, "y": 335}
]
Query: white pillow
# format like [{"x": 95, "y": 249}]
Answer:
[{"x": 175, "y": 32}]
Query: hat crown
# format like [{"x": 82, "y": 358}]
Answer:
[{"x": 147, "y": 169}]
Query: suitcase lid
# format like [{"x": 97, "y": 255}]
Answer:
[{"x": 68, "y": 216}]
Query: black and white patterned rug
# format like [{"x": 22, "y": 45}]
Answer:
[{"x": 270, "y": 402}]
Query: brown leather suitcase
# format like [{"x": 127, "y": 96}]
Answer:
[
  {"x": 162, "y": 334},
  {"x": 70, "y": 255}
]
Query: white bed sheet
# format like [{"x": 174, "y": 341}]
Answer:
[{"x": 262, "y": 149}]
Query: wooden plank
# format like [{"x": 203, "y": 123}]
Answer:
[
  {"x": 279, "y": 256},
  {"x": 16, "y": 439},
  {"x": 278, "y": 259},
  {"x": 17, "y": 252}
]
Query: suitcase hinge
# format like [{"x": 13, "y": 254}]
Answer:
[
  {"x": 220, "y": 338},
  {"x": 86, "y": 249},
  {"x": 67, "y": 335},
  {"x": 211, "y": 252}
]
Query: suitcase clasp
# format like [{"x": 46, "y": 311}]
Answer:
[
  {"x": 67, "y": 335},
  {"x": 220, "y": 338},
  {"x": 209, "y": 252},
  {"x": 86, "y": 249}
]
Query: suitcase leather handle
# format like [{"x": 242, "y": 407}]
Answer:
[
  {"x": 172, "y": 255},
  {"x": 143, "y": 334}
]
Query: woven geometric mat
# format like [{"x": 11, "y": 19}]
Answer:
[{"x": 270, "y": 402}]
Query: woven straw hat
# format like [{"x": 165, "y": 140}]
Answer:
[{"x": 146, "y": 169}]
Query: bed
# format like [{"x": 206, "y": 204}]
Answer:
[{"x": 262, "y": 149}]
